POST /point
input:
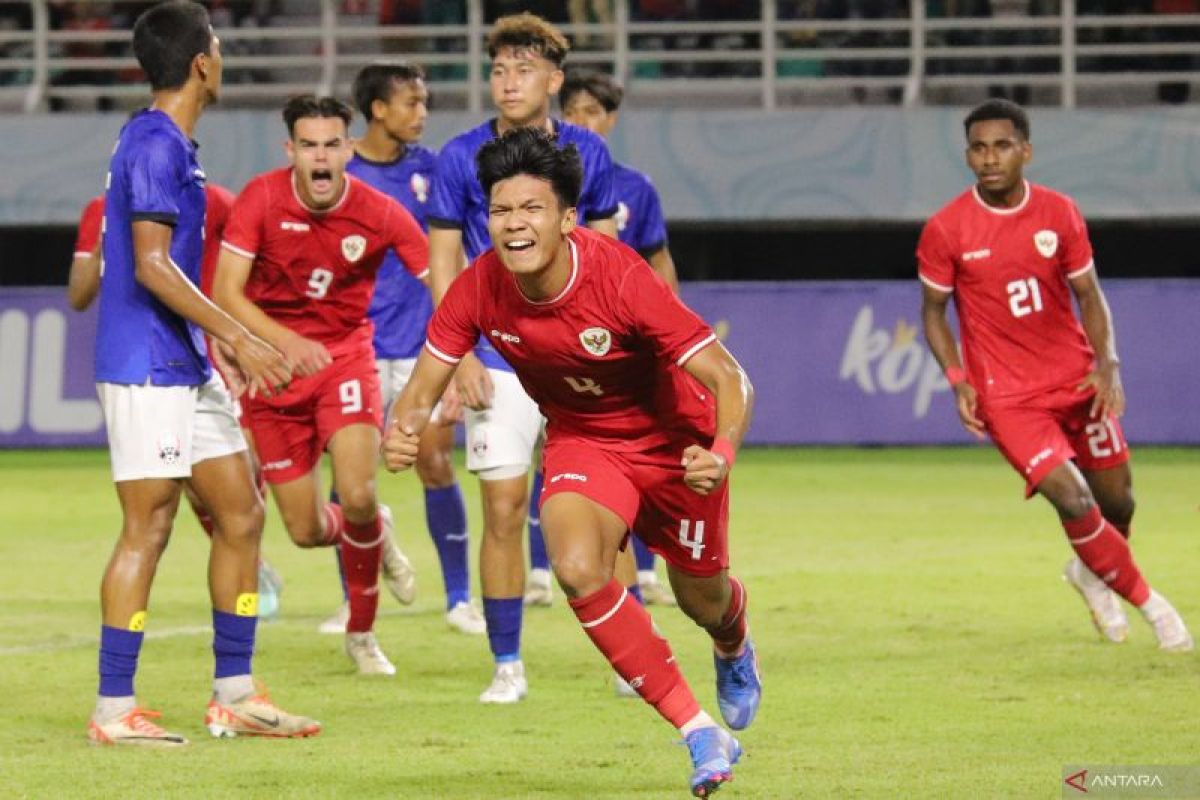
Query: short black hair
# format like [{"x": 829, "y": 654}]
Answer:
[
  {"x": 303, "y": 106},
  {"x": 600, "y": 85},
  {"x": 529, "y": 32},
  {"x": 998, "y": 109},
  {"x": 167, "y": 37},
  {"x": 378, "y": 82},
  {"x": 530, "y": 151}
]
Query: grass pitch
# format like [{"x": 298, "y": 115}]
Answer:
[{"x": 916, "y": 641}]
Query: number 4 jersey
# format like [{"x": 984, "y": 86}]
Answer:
[
  {"x": 1009, "y": 270},
  {"x": 314, "y": 271}
]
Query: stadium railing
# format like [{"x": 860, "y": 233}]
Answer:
[{"x": 766, "y": 62}]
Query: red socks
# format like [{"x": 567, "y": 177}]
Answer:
[
  {"x": 729, "y": 635},
  {"x": 1106, "y": 553},
  {"x": 621, "y": 629},
  {"x": 360, "y": 547}
]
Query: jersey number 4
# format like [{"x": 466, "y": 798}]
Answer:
[
  {"x": 1024, "y": 297},
  {"x": 691, "y": 536}
]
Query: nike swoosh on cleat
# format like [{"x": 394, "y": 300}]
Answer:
[{"x": 269, "y": 722}]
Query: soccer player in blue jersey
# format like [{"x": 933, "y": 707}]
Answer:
[
  {"x": 169, "y": 418},
  {"x": 394, "y": 101},
  {"x": 592, "y": 100},
  {"x": 503, "y": 424}
]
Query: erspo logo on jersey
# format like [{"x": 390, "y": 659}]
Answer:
[{"x": 891, "y": 361}]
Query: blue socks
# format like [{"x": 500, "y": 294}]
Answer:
[
  {"x": 537, "y": 545},
  {"x": 446, "y": 517},
  {"x": 118, "y": 660},
  {"x": 642, "y": 555},
  {"x": 233, "y": 643},
  {"x": 503, "y": 616}
]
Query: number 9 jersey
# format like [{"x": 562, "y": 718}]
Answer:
[{"x": 1008, "y": 269}]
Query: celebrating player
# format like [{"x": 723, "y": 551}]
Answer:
[
  {"x": 169, "y": 418},
  {"x": 393, "y": 99},
  {"x": 1044, "y": 387},
  {"x": 630, "y": 381},
  {"x": 503, "y": 424},
  {"x": 299, "y": 262}
]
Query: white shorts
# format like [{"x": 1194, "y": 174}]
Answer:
[
  {"x": 393, "y": 377},
  {"x": 500, "y": 440},
  {"x": 161, "y": 431}
]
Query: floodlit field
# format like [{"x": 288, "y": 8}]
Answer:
[{"x": 916, "y": 641}]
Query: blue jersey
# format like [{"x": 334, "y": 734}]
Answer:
[
  {"x": 640, "y": 222},
  {"x": 401, "y": 306},
  {"x": 458, "y": 200},
  {"x": 153, "y": 175}
]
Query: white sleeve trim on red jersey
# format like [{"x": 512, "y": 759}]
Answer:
[
  {"x": 439, "y": 355},
  {"x": 238, "y": 250},
  {"x": 696, "y": 348},
  {"x": 1083, "y": 270},
  {"x": 935, "y": 284},
  {"x": 82, "y": 253}
]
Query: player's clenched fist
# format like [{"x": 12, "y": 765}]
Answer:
[
  {"x": 400, "y": 446},
  {"x": 306, "y": 356},
  {"x": 703, "y": 470}
]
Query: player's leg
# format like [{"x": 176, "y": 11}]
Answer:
[
  {"x": 625, "y": 571},
  {"x": 654, "y": 592},
  {"x": 538, "y": 589},
  {"x": 1113, "y": 489},
  {"x": 446, "y": 520}
]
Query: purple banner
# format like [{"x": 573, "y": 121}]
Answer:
[{"x": 832, "y": 363}]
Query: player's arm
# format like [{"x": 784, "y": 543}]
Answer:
[
  {"x": 413, "y": 409},
  {"x": 662, "y": 263},
  {"x": 941, "y": 341},
  {"x": 153, "y": 268},
  {"x": 1096, "y": 318},
  {"x": 305, "y": 356},
  {"x": 83, "y": 281},
  {"x": 722, "y": 375},
  {"x": 473, "y": 384}
]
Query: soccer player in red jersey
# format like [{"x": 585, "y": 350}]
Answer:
[
  {"x": 645, "y": 409},
  {"x": 298, "y": 266},
  {"x": 1045, "y": 387}
]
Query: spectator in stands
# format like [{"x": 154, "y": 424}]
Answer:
[
  {"x": 664, "y": 11},
  {"x": 870, "y": 10},
  {"x": 1176, "y": 92},
  {"x": 84, "y": 17},
  {"x": 601, "y": 11}
]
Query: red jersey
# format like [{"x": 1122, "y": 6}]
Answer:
[
  {"x": 1008, "y": 269},
  {"x": 602, "y": 359},
  {"x": 218, "y": 201},
  {"x": 314, "y": 271}
]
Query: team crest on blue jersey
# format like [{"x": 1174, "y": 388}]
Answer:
[
  {"x": 622, "y": 215},
  {"x": 353, "y": 247},
  {"x": 596, "y": 341},
  {"x": 1046, "y": 242},
  {"x": 420, "y": 187}
]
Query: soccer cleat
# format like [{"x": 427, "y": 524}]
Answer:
[
  {"x": 623, "y": 688},
  {"x": 256, "y": 715},
  {"x": 466, "y": 618},
  {"x": 397, "y": 570},
  {"x": 364, "y": 651},
  {"x": 739, "y": 688},
  {"x": 135, "y": 728},
  {"x": 270, "y": 587},
  {"x": 508, "y": 684},
  {"x": 337, "y": 622},
  {"x": 656, "y": 593},
  {"x": 538, "y": 589},
  {"x": 1103, "y": 603},
  {"x": 1168, "y": 626},
  {"x": 714, "y": 751}
]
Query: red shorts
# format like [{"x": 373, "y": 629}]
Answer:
[
  {"x": 1045, "y": 432},
  {"x": 647, "y": 491},
  {"x": 292, "y": 429}
]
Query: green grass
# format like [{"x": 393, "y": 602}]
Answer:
[{"x": 916, "y": 641}]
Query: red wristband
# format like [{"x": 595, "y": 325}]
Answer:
[
  {"x": 955, "y": 375},
  {"x": 723, "y": 448}
]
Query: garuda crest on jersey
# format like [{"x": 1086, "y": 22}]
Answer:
[
  {"x": 596, "y": 341},
  {"x": 1046, "y": 242},
  {"x": 353, "y": 247}
]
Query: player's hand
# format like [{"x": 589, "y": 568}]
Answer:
[
  {"x": 401, "y": 442},
  {"x": 703, "y": 470},
  {"x": 968, "y": 409},
  {"x": 263, "y": 367},
  {"x": 305, "y": 356},
  {"x": 474, "y": 384},
  {"x": 1110, "y": 393},
  {"x": 223, "y": 356},
  {"x": 450, "y": 411}
]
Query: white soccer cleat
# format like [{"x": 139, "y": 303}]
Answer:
[
  {"x": 1168, "y": 626},
  {"x": 134, "y": 727},
  {"x": 623, "y": 688},
  {"x": 465, "y": 618},
  {"x": 398, "y": 573},
  {"x": 508, "y": 684},
  {"x": 539, "y": 590},
  {"x": 655, "y": 592},
  {"x": 256, "y": 715},
  {"x": 1107, "y": 614},
  {"x": 337, "y": 622},
  {"x": 364, "y": 651}
]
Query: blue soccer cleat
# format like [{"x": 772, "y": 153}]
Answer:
[
  {"x": 714, "y": 752},
  {"x": 739, "y": 688}
]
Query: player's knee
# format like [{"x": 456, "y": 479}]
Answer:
[
  {"x": 307, "y": 533},
  {"x": 243, "y": 525},
  {"x": 1074, "y": 504},
  {"x": 435, "y": 470},
  {"x": 1119, "y": 511},
  {"x": 147, "y": 535},
  {"x": 358, "y": 502},
  {"x": 580, "y": 574}
]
